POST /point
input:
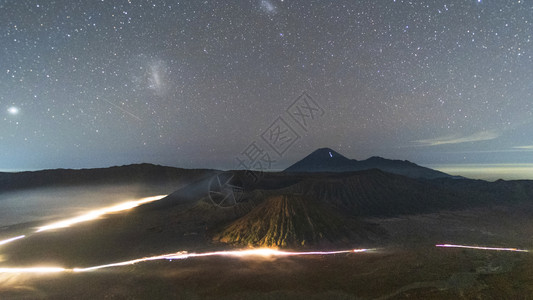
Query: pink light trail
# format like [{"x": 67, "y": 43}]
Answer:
[{"x": 481, "y": 248}]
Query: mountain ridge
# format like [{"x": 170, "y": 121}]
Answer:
[
  {"x": 328, "y": 160},
  {"x": 125, "y": 174}
]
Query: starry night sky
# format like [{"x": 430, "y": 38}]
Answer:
[{"x": 195, "y": 83}]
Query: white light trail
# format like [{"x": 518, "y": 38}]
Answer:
[
  {"x": 12, "y": 239},
  {"x": 123, "y": 110},
  {"x": 33, "y": 270},
  {"x": 265, "y": 252},
  {"x": 95, "y": 214},
  {"x": 481, "y": 248}
]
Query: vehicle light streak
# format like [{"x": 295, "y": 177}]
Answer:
[
  {"x": 12, "y": 239},
  {"x": 33, "y": 270},
  {"x": 481, "y": 248},
  {"x": 265, "y": 252},
  {"x": 95, "y": 214}
]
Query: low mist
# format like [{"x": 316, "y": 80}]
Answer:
[{"x": 51, "y": 203}]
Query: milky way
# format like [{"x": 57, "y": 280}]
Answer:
[{"x": 194, "y": 83}]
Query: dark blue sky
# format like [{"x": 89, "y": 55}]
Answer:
[{"x": 201, "y": 83}]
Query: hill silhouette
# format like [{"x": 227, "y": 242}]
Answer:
[
  {"x": 328, "y": 160},
  {"x": 128, "y": 174}
]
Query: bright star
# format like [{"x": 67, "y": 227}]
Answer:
[{"x": 13, "y": 110}]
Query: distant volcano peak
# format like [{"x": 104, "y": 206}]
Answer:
[
  {"x": 320, "y": 160},
  {"x": 328, "y": 160},
  {"x": 325, "y": 153}
]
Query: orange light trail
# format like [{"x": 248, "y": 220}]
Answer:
[
  {"x": 481, "y": 248},
  {"x": 95, "y": 214},
  {"x": 263, "y": 252},
  {"x": 12, "y": 239},
  {"x": 33, "y": 270}
]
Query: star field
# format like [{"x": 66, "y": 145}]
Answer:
[{"x": 193, "y": 83}]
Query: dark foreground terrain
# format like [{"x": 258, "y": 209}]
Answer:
[
  {"x": 405, "y": 266},
  {"x": 398, "y": 274}
]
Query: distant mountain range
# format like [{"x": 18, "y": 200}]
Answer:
[
  {"x": 328, "y": 160},
  {"x": 324, "y": 199},
  {"x": 321, "y": 160},
  {"x": 129, "y": 174}
]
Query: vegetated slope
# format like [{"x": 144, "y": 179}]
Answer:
[
  {"x": 327, "y": 160},
  {"x": 294, "y": 220}
]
